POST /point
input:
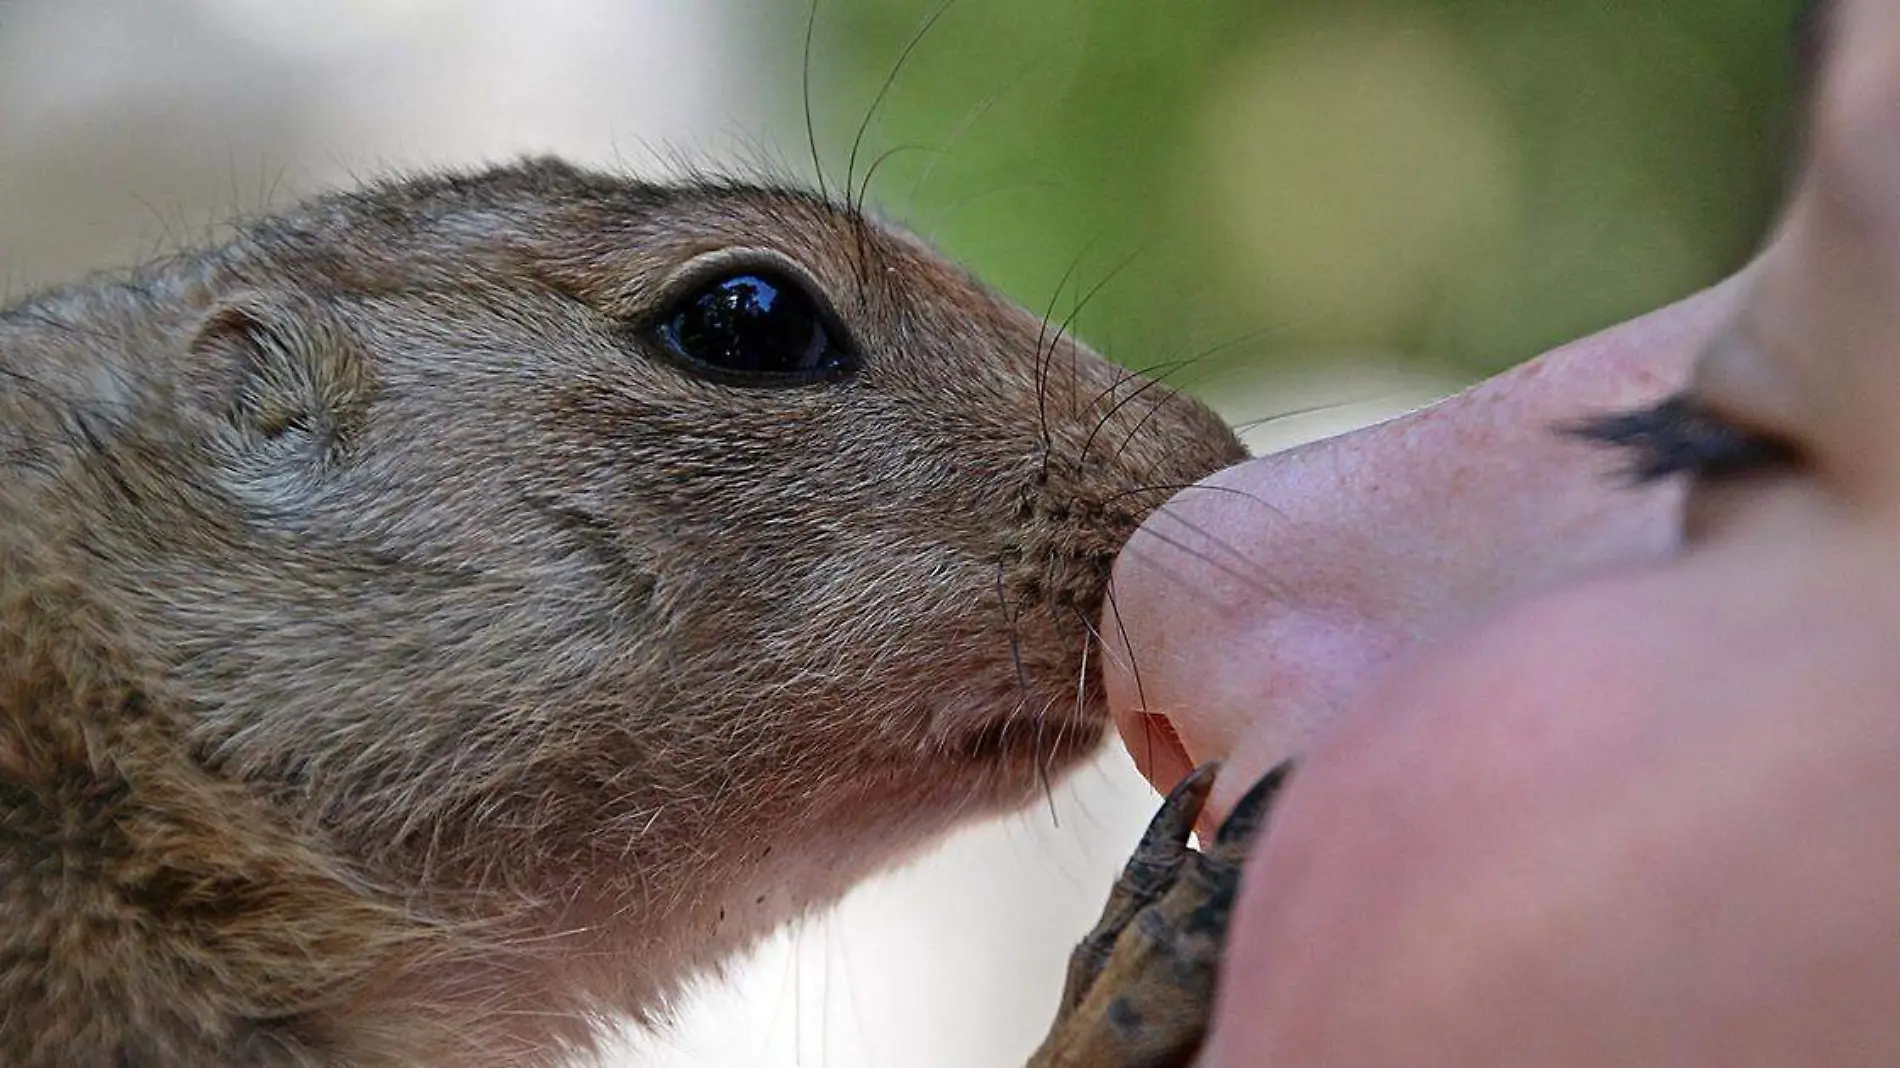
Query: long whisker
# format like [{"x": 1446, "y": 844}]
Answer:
[
  {"x": 885, "y": 157},
  {"x": 811, "y": 129},
  {"x": 1090, "y": 638},
  {"x": 1251, "y": 578},
  {"x": 877, "y": 102},
  {"x": 1246, "y": 338},
  {"x": 1015, "y": 641},
  {"x": 1107, "y": 416},
  {"x": 1148, "y": 379},
  {"x": 1042, "y": 331},
  {"x": 1088, "y": 625},
  {"x": 1081, "y": 702},
  {"x": 1183, "y": 487},
  {"x": 968, "y": 122},
  {"x": 1174, "y": 367},
  {"x": 1068, "y": 321},
  {"x": 957, "y": 206},
  {"x": 1156, "y": 373},
  {"x": 1310, "y": 409},
  {"x": 1134, "y": 668},
  {"x": 1042, "y": 756},
  {"x": 1130, "y": 374},
  {"x": 1135, "y": 431},
  {"x": 1225, "y": 547}
]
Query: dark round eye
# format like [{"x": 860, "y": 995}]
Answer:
[{"x": 755, "y": 328}]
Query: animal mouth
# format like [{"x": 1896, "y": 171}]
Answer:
[
  {"x": 1043, "y": 712},
  {"x": 1012, "y": 729}
]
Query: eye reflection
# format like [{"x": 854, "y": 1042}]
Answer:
[{"x": 755, "y": 328}]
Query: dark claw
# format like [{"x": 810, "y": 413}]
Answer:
[
  {"x": 1140, "y": 986},
  {"x": 1163, "y": 845},
  {"x": 1154, "y": 867},
  {"x": 1237, "y": 833}
]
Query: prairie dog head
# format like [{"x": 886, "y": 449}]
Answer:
[{"x": 643, "y": 563}]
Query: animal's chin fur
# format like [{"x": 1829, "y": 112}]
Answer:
[{"x": 589, "y": 942}]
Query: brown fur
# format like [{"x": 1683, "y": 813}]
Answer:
[{"x": 400, "y": 663}]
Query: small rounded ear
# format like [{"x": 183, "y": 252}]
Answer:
[{"x": 297, "y": 379}]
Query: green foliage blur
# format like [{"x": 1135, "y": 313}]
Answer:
[{"x": 1456, "y": 184}]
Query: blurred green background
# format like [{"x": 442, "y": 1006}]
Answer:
[
  {"x": 1444, "y": 185},
  {"x": 1454, "y": 184}
]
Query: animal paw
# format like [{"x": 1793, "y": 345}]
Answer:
[{"x": 1141, "y": 984}]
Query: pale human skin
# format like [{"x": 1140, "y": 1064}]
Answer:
[{"x": 1587, "y": 776}]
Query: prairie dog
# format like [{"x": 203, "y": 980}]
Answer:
[{"x": 455, "y": 611}]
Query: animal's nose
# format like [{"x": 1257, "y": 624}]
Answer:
[{"x": 1250, "y": 611}]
